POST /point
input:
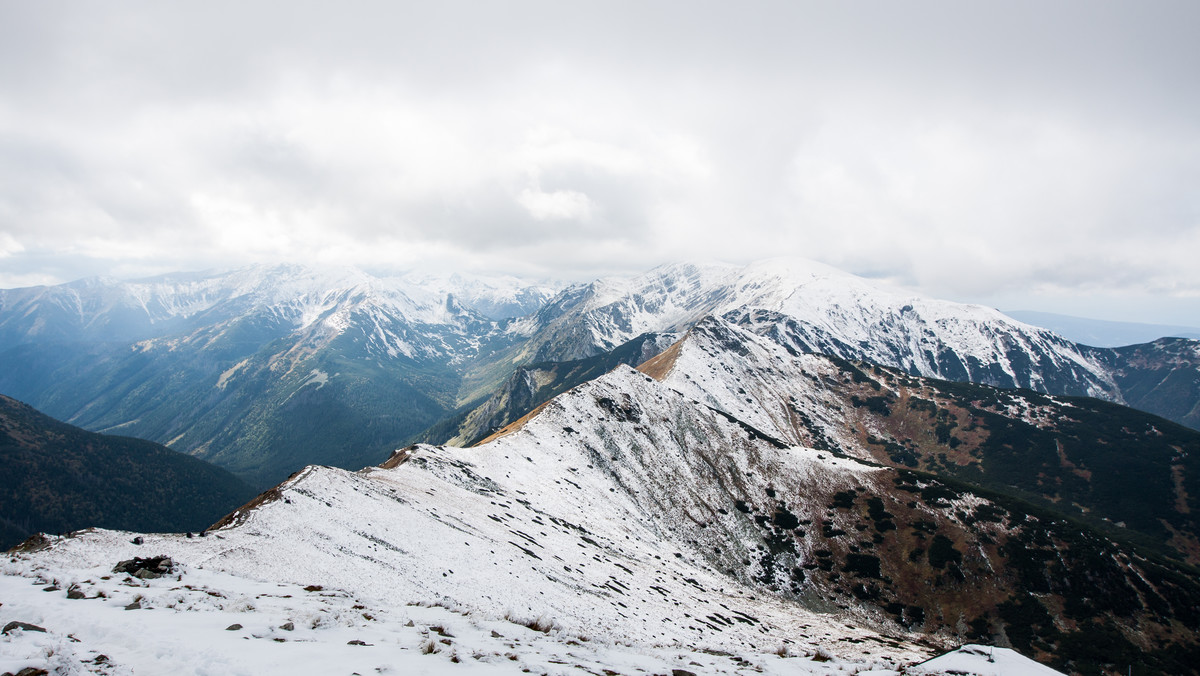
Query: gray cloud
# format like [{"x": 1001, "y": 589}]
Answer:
[{"x": 1017, "y": 153}]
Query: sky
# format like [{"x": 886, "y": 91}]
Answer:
[{"x": 1023, "y": 155}]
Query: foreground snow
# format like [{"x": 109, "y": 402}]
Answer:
[
  {"x": 982, "y": 660},
  {"x": 607, "y": 521},
  {"x": 182, "y": 627}
]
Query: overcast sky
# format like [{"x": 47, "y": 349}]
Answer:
[{"x": 1040, "y": 155}]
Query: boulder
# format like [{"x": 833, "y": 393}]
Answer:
[{"x": 23, "y": 626}]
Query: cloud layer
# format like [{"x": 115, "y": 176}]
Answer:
[{"x": 1017, "y": 153}]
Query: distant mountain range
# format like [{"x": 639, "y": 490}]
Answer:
[
  {"x": 264, "y": 370},
  {"x": 58, "y": 478},
  {"x": 1101, "y": 333}
]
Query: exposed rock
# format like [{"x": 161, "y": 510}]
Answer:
[
  {"x": 75, "y": 593},
  {"x": 287, "y": 626},
  {"x": 146, "y": 569},
  {"x": 233, "y": 627},
  {"x": 23, "y": 626}
]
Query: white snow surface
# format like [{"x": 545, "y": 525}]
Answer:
[
  {"x": 830, "y": 312},
  {"x": 982, "y": 660},
  {"x": 603, "y": 519}
]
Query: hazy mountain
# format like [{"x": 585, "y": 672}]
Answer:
[
  {"x": 260, "y": 370},
  {"x": 1101, "y": 333},
  {"x": 58, "y": 478}
]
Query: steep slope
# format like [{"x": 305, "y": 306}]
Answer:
[
  {"x": 626, "y": 512},
  {"x": 1084, "y": 458},
  {"x": 810, "y": 307},
  {"x": 59, "y": 478},
  {"x": 1162, "y": 377}
]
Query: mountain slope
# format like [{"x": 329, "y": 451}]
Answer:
[
  {"x": 60, "y": 478},
  {"x": 1162, "y": 377},
  {"x": 625, "y": 511},
  {"x": 1082, "y": 457},
  {"x": 532, "y": 385},
  {"x": 809, "y": 307},
  {"x": 815, "y": 308}
]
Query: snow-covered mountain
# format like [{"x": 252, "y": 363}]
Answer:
[
  {"x": 629, "y": 522},
  {"x": 263, "y": 370},
  {"x": 815, "y": 308},
  {"x": 99, "y": 309},
  {"x": 1087, "y": 453}
]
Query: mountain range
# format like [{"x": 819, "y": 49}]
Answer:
[
  {"x": 264, "y": 370},
  {"x": 729, "y": 498},
  {"x": 806, "y": 472}
]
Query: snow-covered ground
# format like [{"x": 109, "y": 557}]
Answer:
[
  {"x": 603, "y": 521},
  {"x": 982, "y": 660},
  {"x": 205, "y": 622}
]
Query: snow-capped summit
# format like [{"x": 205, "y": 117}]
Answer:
[{"x": 813, "y": 307}]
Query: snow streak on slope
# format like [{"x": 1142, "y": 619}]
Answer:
[
  {"x": 778, "y": 391},
  {"x": 611, "y": 514}
]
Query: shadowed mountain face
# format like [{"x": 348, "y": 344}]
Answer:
[{"x": 59, "y": 478}]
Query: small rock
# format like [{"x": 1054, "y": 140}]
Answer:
[
  {"x": 32, "y": 671},
  {"x": 496, "y": 634},
  {"x": 51, "y": 588},
  {"x": 287, "y": 626},
  {"x": 409, "y": 623},
  {"x": 189, "y": 535},
  {"x": 681, "y": 672},
  {"x": 23, "y": 626},
  {"x": 75, "y": 593},
  {"x": 137, "y": 540},
  {"x": 357, "y": 642},
  {"x": 233, "y": 627},
  {"x": 136, "y": 605},
  {"x": 146, "y": 574},
  {"x": 313, "y": 588}
]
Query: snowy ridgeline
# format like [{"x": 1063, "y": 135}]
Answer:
[{"x": 569, "y": 544}]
